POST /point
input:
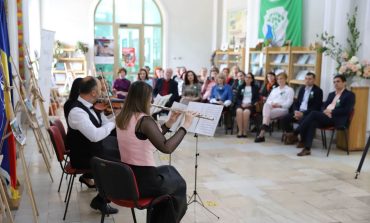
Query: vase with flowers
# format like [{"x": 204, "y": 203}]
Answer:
[{"x": 347, "y": 60}]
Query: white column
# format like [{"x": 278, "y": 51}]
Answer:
[
  {"x": 13, "y": 30},
  {"x": 364, "y": 52},
  {"x": 335, "y": 23}
]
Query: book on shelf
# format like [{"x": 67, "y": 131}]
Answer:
[
  {"x": 302, "y": 74},
  {"x": 255, "y": 58},
  {"x": 285, "y": 59},
  {"x": 257, "y": 71},
  {"x": 279, "y": 71},
  {"x": 303, "y": 59},
  {"x": 312, "y": 59},
  {"x": 279, "y": 59}
]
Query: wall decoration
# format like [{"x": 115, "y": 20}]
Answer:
[
  {"x": 237, "y": 27},
  {"x": 281, "y": 21}
]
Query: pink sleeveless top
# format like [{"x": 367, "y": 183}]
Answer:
[{"x": 133, "y": 150}]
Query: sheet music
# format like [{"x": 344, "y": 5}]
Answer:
[
  {"x": 203, "y": 126},
  {"x": 180, "y": 119},
  {"x": 199, "y": 125},
  {"x": 159, "y": 100}
]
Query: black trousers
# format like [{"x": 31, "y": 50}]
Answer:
[
  {"x": 156, "y": 181},
  {"x": 307, "y": 127},
  {"x": 288, "y": 120}
]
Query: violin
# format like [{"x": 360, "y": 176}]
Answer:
[{"x": 102, "y": 105}]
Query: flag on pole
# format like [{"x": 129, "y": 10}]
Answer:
[
  {"x": 281, "y": 20},
  {"x": 8, "y": 164}
]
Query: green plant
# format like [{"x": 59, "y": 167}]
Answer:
[
  {"x": 334, "y": 49},
  {"x": 82, "y": 47},
  {"x": 58, "y": 49}
]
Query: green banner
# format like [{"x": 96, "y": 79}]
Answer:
[{"x": 281, "y": 20}]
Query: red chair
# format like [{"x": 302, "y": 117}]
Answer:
[
  {"x": 62, "y": 131},
  {"x": 116, "y": 182},
  {"x": 58, "y": 144},
  {"x": 333, "y": 129}
]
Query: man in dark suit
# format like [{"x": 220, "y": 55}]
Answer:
[
  {"x": 309, "y": 99},
  {"x": 166, "y": 86},
  {"x": 337, "y": 110}
]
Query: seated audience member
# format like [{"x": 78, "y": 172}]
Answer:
[
  {"x": 158, "y": 73},
  {"x": 138, "y": 134},
  {"x": 277, "y": 105},
  {"x": 235, "y": 71},
  {"x": 179, "y": 78},
  {"x": 208, "y": 85},
  {"x": 229, "y": 78},
  {"x": 246, "y": 97},
  {"x": 309, "y": 99},
  {"x": 222, "y": 94},
  {"x": 337, "y": 110},
  {"x": 202, "y": 77},
  {"x": 147, "y": 68},
  {"x": 143, "y": 76},
  {"x": 191, "y": 88},
  {"x": 121, "y": 84},
  {"x": 86, "y": 131},
  {"x": 266, "y": 88},
  {"x": 166, "y": 86}
]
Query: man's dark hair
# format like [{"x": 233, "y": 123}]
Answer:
[
  {"x": 311, "y": 74},
  {"x": 341, "y": 76},
  {"x": 87, "y": 85}
]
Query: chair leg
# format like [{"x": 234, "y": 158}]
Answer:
[
  {"x": 322, "y": 138},
  {"x": 325, "y": 143},
  {"x": 133, "y": 215},
  {"x": 331, "y": 140},
  {"x": 69, "y": 197},
  {"x": 346, "y": 138},
  {"x": 102, "y": 218},
  {"x": 68, "y": 187},
  {"x": 60, "y": 182}
]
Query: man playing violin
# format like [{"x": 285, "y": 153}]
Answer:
[{"x": 86, "y": 131}]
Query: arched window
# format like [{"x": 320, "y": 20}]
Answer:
[{"x": 128, "y": 33}]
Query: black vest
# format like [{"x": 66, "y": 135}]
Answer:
[{"x": 82, "y": 149}]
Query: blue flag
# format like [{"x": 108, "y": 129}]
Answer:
[{"x": 8, "y": 164}]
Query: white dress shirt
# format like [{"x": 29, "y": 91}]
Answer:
[
  {"x": 79, "y": 120},
  {"x": 282, "y": 96},
  {"x": 306, "y": 96}
]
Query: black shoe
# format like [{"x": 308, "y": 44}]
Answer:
[
  {"x": 239, "y": 136},
  {"x": 259, "y": 139},
  {"x": 104, "y": 208},
  {"x": 83, "y": 181},
  {"x": 254, "y": 129},
  {"x": 244, "y": 136}
]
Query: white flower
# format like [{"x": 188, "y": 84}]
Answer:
[{"x": 353, "y": 60}]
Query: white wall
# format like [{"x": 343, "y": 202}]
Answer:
[
  {"x": 189, "y": 32},
  {"x": 188, "y": 27}
]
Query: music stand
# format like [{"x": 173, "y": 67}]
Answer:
[
  {"x": 195, "y": 195},
  {"x": 204, "y": 127},
  {"x": 363, "y": 157}
]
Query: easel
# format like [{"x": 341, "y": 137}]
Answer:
[
  {"x": 32, "y": 119},
  {"x": 4, "y": 202},
  {"x": 363, "y": 157},
  {"x": 37, "y": 99},
  {"x": 35, "y": 212}
]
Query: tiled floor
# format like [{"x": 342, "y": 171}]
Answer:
[{"x": 238, "y": 180}]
